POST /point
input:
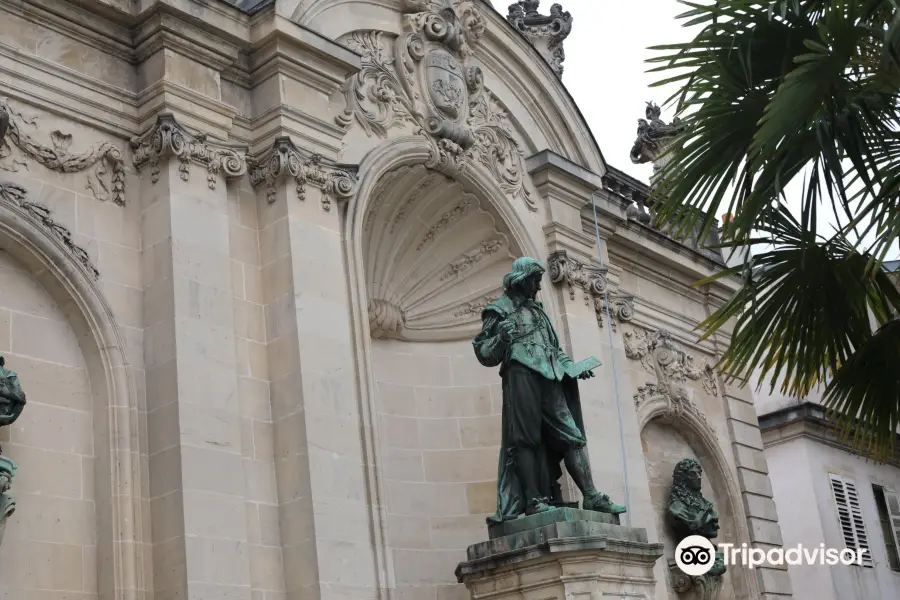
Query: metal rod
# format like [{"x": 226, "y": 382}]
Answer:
[{"x": 615, "y": 371}]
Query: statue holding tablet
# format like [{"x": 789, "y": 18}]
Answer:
[{"x": 542, "y": 422}]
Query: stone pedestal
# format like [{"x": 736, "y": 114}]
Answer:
[{"x": 566, "y": 554}]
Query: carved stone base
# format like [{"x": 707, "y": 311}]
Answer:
[
  {"x": 7, "y": 505},
  {"x": 572, "y": 560},
  {"x": 704, "y": 587}
]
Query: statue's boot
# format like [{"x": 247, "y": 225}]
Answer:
[
  {"x": 530, "y": 468},
  {"x": 578, "y": 467}
]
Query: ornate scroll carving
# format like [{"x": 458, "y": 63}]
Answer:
[
  {"x": 17, "y": 196},
  {"x": 106, "y": 176},
  {"x": 594, "y": 285},
  {"x": 285, "y": 159},
  {"x": 546, "y": 33},
  {"x": 654, "y": 136},
  {"x": 672, "y": 367},
  {"x": 424, "y": 78},
  {"x": 168, "y": 138}
]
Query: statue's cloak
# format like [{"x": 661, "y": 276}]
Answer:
[{"x": 510, "y": 499}]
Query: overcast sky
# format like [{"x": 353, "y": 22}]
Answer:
[{"x": 605, "y": 69}]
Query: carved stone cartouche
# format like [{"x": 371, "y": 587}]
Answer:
[
  {"x": 689, "y": 513},
  {"x": 423, "y": 79},
  {"x": 12, "y": 401},
  {"x": 545, "y": 32}
]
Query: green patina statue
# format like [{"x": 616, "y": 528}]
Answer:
[
  {"x": 542, "y": 422},
  {"x": 689, "y": 513},
  {"x": 12, "y": 401},
  {"x": 12, "y": 397}
]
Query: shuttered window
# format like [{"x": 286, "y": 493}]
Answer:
[
  {"x": 888, "y": 504},
  {"x": 846, "y": 498}
]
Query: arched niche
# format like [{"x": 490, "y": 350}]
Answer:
[
  {"x": 674, "y": 429},
  {"x": 117, "y": 468},
  {"x": 425, "y": 252}
]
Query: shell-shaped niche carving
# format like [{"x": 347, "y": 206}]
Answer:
[{"x": 434, "y": 257}]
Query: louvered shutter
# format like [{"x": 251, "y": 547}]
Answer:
[
  {"x": 850, "y": 516},
  {"x": 892, "y": 500}
]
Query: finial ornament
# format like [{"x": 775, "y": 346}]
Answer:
[{"x": 545, "y": 32}]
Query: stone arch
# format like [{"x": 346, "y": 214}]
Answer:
[
  {"x": 120, "y": 560},
  {"x": 542, "y": 110},
  {"x": 400, "y": 159},
  {"x": 687, "y": 420}
]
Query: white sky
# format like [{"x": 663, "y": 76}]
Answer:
[
  {"x": 605, "y": 69},
  {"x": 606, "y": 73}
]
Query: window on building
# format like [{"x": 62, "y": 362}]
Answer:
[
  {"x": 846, "y": 498},
  {"x": 888, "y": 504}
]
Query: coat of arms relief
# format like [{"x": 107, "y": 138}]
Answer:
[{"x": 425, "y": 77}]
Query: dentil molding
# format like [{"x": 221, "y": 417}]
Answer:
[{"x": 594, "y": 285}]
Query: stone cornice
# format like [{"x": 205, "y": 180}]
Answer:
[
  {"x": 807, "y": 420},
  {"x": 574, "y": 184},
  {"x": 285, "y": 160},
  {"x": 279, "y": 46}
]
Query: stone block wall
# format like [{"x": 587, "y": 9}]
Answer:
[{"x": 439, "y": 424}]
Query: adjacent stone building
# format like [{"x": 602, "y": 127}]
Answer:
[{"x": 245, "y": 246}]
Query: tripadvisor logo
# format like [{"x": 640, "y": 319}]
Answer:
[{"x": 696, "y": 556}]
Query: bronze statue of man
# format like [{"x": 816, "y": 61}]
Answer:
[{"x": 542, "y": 422}]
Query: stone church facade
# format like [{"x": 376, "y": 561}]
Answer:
[{"x": 244, "y": 247}]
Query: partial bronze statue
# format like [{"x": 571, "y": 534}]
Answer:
[
  {"x": 689, "y": 513},
  {"x": 542, "y": 422},
  {"x": 12, "y": 401}
]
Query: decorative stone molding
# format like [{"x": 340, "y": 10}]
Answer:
[
  {"x": 168, "y": 138},
  {"x": 654, "y": 136},
  {"x": 595, "y": 287},
  {"x": 672, "y": 368},
  {"x": 430, "y": 279},
  {"x": 545, "y": 32},
  {"x": 17, "y": 196},
  {"x": 424, "y": 78},
  {"x": 106, "y": 178},
  {"x": 285, "y": 159}
]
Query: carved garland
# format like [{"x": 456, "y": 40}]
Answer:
[
  {"x": 594, "y": 285},
  {"x": 168, "y": 138},
  {"x": 423, "y": 78},
  {"x": 672, "y": 367},
  {"x": 284, "y": 159},
  {"x": 106, "y": 178},
  {"x": 17, "y": 196}
]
